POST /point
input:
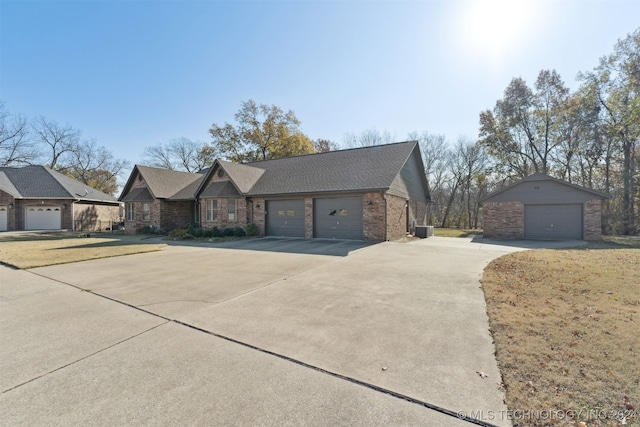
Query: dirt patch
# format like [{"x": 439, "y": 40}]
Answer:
[
  {"x": 566, "y": 328},
  {"x": 39, "y": 250}
]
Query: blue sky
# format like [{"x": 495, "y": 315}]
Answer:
[{"x": 134, "y": 73}]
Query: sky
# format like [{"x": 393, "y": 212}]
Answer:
[{"x": 131, "y": 74}]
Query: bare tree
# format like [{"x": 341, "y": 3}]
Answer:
[
  {"x": 15, "y": 146},
  {"x": 59, "y": 140},
  {"x": 367, "y": 138},
  {"x": 180, "y": 154},
  {"x": 95, "y": 166}
]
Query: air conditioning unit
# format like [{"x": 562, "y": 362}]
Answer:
[{"x": 424, "y": 231}]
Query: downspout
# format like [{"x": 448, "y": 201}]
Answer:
[{"x": 73, "y": 215}]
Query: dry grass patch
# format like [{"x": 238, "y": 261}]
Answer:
[
  {"x": 566, "y": 325},
  {"x": 455, "y": 232},
  {"x": 50, "y": 249}
]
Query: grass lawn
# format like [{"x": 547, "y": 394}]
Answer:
[
  {"x": 455, "y": 232},
  {"x": 38, "y": 250},
  {"x": 566, "y": 325}
]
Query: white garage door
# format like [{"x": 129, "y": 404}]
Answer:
[
  {"x": 43, "y": 218},
  {"x": 3, "y": 218}
]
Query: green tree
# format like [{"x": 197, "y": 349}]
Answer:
[
  {"x": 261, "y": 132},
  {"x": 523, "y": 130},
  {"x": 617, "y": 84}
]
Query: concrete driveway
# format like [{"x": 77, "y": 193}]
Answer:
[{"x": 253, "y": 333}]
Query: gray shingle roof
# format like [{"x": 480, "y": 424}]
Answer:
[
  {"x": 244, "y": 176},
  {"x": 42, "y": 182},
  {"x": 358, "y": 169},
  {"x": 7, "y": 186},
  {"x": 538, "y": 176},
  {"x": 170, "y": 184}
]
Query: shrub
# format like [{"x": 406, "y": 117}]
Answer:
[
  {"x": 178, "y": 233},
  {"x": 228, "y": 232},
  {"x": 207, "y": 232},
  {"x": 251, "y": 229},
  {"x": 215, "y": 232},
  {"x": 187, "y": 236},
  {"x": 147, "y": 229},
  {"x": 198, "y": 232},
  {"x": 239, "y": 232}
]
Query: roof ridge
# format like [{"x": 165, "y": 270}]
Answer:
[{"x": 368, "y": 147}]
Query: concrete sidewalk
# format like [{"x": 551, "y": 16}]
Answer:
[{"x": 318, "y": 338}]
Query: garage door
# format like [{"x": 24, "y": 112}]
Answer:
[
  {"x": 338, "y": 218},
  {"x": 285, "y": 218},
  {"x": 3, "y": 218},
  {"x": 553, "y": 222},
  {"x": 43, "y": 218}
]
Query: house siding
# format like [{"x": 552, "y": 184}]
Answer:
[{"x": 503, "y": 220}]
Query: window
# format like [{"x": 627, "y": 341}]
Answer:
[
  {"x": 211, "y": 210},
  {"x": 231, "y": 210},
  {"x": 130, "y": 212},
  {"x": 146, "y": 213}
]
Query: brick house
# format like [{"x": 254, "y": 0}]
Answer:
[
  {"x": 39, "y": 198},
  {"x": 370, "y": 193},
  {"x": 544, "y": 208}
]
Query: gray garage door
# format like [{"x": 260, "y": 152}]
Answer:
[
  {"x": 43, "y": 218},
  {"x": 338, "y": 218},
  {"x": 553, "y": 222},
  {"x": 285, "y": 218}
]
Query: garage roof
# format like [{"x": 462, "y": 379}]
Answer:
[{"x": 41, "y": 182}]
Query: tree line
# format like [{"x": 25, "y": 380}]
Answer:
[{"x": 41, "y": 141}]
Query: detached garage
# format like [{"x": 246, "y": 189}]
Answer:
[
  {"x": 543, "y": 208},
  {"x": 39, "y": 198}
]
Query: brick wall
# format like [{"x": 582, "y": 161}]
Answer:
[
  {"x": 503, "y": 220},
  {"x": 308, "y": 217},
  {"x": 94, "y": 217},
  {"x": 7, "y": 199},
  {"x": 592, "y": 222},
  {"x": 396, "y": 217},
  {"x": 222, "y": 221},
  {"x": 259, "y": 216},
  {"x": 154, "y": 216},
  {"x": 373, "y": 221},
  {"x": 177, "y": 214}
]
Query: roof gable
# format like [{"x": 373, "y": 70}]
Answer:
[
  {"x": 164, "y": 183},
  {"x": 541, "y": 188}
]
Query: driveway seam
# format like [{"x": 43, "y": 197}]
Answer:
[
  {"x": 461, "y": 415},
  {"x": 84, "y": 357}
]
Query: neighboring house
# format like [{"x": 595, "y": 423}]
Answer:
[
  {"x": 542, "y": 207},
  {"x": 371, "y": 193},
  {"x": 39, "y": 198}
]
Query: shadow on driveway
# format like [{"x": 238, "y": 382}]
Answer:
[
  {"x": 531, "y": 244},
  {"x": 331, "y": 247}
]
